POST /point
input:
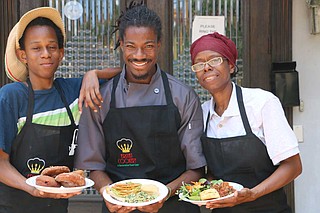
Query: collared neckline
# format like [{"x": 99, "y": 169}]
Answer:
[{"x": 232, "y": 109}]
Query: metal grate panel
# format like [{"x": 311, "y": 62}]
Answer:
[
  {"x": 184, "y": 13},
  {"x": 89, "y": 41}
]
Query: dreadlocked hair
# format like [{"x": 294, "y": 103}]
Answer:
[{"x": 137, "y": 15}]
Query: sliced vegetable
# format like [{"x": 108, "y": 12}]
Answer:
[{"x": 192, "y": 190}]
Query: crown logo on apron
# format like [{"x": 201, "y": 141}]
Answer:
[
  {"x": 35, "y": 165},
  {"x": 124, "y": 145}
]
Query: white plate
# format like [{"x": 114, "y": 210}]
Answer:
[
  {"x": 236, "y": 186},
  {"x": 32, "y": 182},
  {"x": 163, "y": 192}
]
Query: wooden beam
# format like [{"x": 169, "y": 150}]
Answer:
[
  {"x": 165, "y": 10},
  {"x": 25, "y": 6},
  {"x": 8, "y": 18},
  {"x": 257, "y": 52}
]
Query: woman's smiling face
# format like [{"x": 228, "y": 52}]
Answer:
[{"x": 216, "y": 78}]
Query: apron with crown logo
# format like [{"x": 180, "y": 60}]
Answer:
[
  {"x": 244, "y": 160},
  {"x": 35, "y": 148},
  {"x": 143, "y": 142}
]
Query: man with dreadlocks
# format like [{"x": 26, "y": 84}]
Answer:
[{"x": 149, "y": 125}]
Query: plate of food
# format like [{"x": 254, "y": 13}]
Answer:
[
  {"x": 135, "y": 192},
  {"x": 59, "y": 179},
  {"x": 202, "y": 191}
]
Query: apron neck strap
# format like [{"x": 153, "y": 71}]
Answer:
[
  {"x": 166, "y": 88},
  {"x": 243, "y": 113},
  {"x": 207, "y": 122},
  {"x": 63, "y": 98},
  {"x": 113, "y": 93},
  {"x": 30, "y": 102}
]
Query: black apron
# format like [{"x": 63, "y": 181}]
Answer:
[
  {"x": 142, "y": 142},
  {"x": 244, "y": 160},
  {"x": 35, "y": 148}
]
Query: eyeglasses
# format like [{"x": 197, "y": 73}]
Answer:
[{"x": 212, "y": 62}]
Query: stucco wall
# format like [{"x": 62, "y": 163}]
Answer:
[{"x": 306, "y": 52}]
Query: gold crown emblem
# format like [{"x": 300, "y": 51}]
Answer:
[
  {"x": 124, "y": 145},
  {"x": 35, "y": 165}
]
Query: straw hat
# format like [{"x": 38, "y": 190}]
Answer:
[{"x": 15, "y": 69}]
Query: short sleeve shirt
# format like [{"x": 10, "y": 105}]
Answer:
[
  {"x": 266, "y": 118},
  {"x": 90, "y": 153},
  {"x": 48, "y": 109}
]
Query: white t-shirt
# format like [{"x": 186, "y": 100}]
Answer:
[{"x": 266, "y": 118}]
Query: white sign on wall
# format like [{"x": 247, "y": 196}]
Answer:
[{"x": 203, "y": 25}]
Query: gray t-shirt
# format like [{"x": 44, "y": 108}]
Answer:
[{"x": 90, "y": 153}]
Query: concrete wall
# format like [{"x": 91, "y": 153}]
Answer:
[{"x": 306, "y": 52}]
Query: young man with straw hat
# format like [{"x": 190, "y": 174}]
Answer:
[{"x": 39, "y": 114}]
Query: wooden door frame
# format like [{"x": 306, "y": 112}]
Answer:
[
  {"x": 267, "y": 30},
  {"x": 8, "y": 17}
]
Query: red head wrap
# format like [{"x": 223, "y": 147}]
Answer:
[{"x": 215, "y": 42}]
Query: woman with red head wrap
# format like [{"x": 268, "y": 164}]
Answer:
[
  {"x": 247, "y": 138},
  {"x": 217, "y": 42}
]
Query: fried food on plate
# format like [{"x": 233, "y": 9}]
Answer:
[
  {"x": 131, "y": 192},
  {"x": 80, "y": 172},
  {"x": 70, "y": 179},
  {"x": 150, "y": 189},
  {"x": 56, "y": 176},
  {"x": 45, "y": 180},
  {"x": 209, "y": 194},
  {"x": 53, "y": 171}
]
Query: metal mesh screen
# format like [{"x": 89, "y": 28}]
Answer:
[
  {"x": 89, "y": 41},
  {"x": 184, "y": 12},
  {"x": 90, "y": 44}
]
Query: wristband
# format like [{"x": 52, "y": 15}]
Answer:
[{"x": 169, "y": 193}]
